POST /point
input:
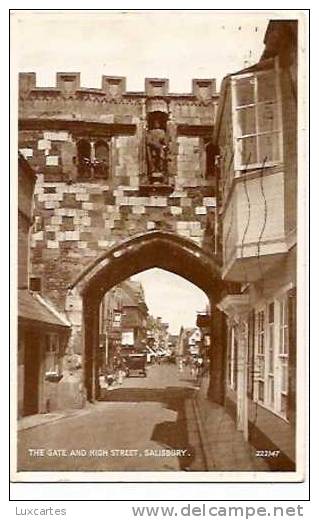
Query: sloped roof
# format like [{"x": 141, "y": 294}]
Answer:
[
  {"x": 132, "y": 294},
  {"x": 33, "y": 307}
]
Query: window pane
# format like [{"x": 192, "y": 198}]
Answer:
[
  {"x": 285, "y": 342},
  {"x": 247, "y": 150},
  {"x": 261, "y": 368},
  {"x": 261, "y": 391},
  {"x": 284, "y": 377},
  {"x": 282, "y": 310},
  {"x": 271, "y": 311},
  {"x": 283, "y": 405},
  {"x": 267, "y": 117},
  {"x": 101, "y": 151},
  {"x": 247, "y": 120},
  {"x": 271, "y": 391},
  {"x": 266, "y": 87},
  {"x": 271, "y": 350},
  {"x": 245, "y": 91},
  {"x": 268, "y": 147}
]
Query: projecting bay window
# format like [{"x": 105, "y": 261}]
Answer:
[
  {"x": 256, "y": 111},
  {"x": 272, "y": 356}
]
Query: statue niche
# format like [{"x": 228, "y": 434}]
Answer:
[{"x": 157, "y": 148}]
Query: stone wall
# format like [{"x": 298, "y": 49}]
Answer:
[{"x": 75, "y": 219}]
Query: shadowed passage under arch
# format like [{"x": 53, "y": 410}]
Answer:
[{"x": 153, "y": 249}]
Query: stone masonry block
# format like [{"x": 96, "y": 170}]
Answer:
[
  {"x": 134, "y": 181},
  {"x": 51, "y": 228},
  {"x": 118, "y": 193},
  {"x": 26, "y": 152},
  {"x": 200, "y": 210},
  {"x": 52, "y": 244},
  {"x": 56, "y": 220},
  {"x": 122, "y": 201},
  {"x": 76, "y": 189},
  {"x": 61, "y": 187},
  {"x": 60, "y": 236},
  {"x": 51, "y": 204},
  {"x": 52, "y": 160},
  {"x": 186, "y": 203},
  {"x": 209, "y": 201},
  {"x": 66, "y": 212},
  {"x": 38, "y": 236},
  {"x": 176, "y": 210},
  {"x": 44, "y": 144},
  {"x": 82, "y": 245},
  {"x": 178, "y": 193},
  {"x": 56, "y": 136},
  {"x": 181, "y": 225},
  {"x": 88, "y": 205},
  {"x": 139, "y": 210},
  {"x": 82, "y": 196},
  {"x": 103, "y": 244},
  {"x": 184, "y": 233},
  {"x": 150, "y": 225},
  {"x": 72, "y": 235},
  {"x": 157, "y": 201}
]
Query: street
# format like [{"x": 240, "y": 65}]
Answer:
[{"x": 140, "y": 426}]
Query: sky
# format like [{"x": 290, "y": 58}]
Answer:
[
  {"x": 177, "y": 44},
  {"x": 172, "y": 297}
]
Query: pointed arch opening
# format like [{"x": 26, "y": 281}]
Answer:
[{"x": 159, "y": 249}]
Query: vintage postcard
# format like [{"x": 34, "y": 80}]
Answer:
[{"x": 160, "y": 223}]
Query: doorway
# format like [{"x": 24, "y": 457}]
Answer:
[{"x": 31, "y": 373}]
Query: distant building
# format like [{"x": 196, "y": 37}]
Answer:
[
  {"x": 189, "y": 341},
  {"x": 123, "y": 321}
]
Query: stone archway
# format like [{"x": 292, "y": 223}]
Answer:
[{"x": 159, "y": 249}]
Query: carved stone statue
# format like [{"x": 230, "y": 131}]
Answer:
[{"x": 157, "y": 147}]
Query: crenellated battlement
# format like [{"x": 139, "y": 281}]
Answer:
[{"x": 114, "y": 87}]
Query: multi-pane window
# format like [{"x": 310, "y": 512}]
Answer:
[
  {"x": 260, "y": 356},
  {"x": 256, "y": 119},
  {"x": 92, "y": 159},
  {"x": 283, "y": 354},
  {"x": 232, "y": 360},
  {"x": 52, "y": 354},
  {"x": 271, "y": 356}
]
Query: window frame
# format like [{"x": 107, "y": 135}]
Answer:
[
  {"x": 237, "y": 137},
  {"x": 273, "y": 329},
  {"x": 52, "y": 361},
  {"x": 232, "y": 359},
  {"x": 92, "y": 162},
  {"x": 259, "y": 356}
]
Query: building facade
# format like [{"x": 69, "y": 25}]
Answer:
[
  {"x": 256, "y": 132},
  {"x": 116, "y": 168},
  {"x": 123, "y": 322},
  {"x": 201, "y": 184},
  {"x": 43, "y": 333}
]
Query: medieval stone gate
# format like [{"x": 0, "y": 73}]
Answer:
[{"x": 126, "y": 181}]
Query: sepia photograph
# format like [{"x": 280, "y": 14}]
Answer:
[{"x": 159, "y": 170}]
